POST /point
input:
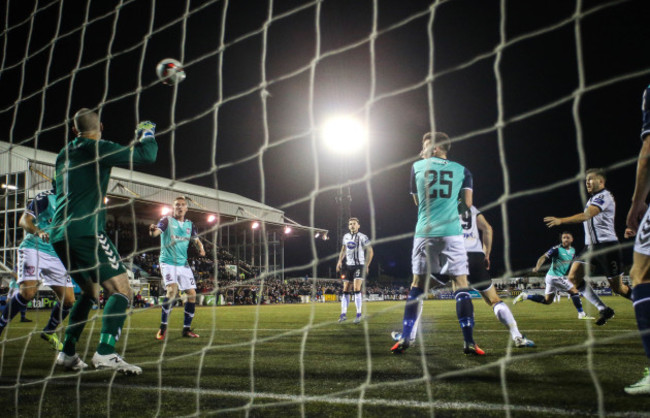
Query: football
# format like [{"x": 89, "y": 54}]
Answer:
[{"x": 170, "y": 71}]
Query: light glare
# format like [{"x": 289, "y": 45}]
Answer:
[{"x": 344, "y": 134}]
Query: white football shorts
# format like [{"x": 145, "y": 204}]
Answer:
[
  {"x": 442, "y": 255},
  {"x": 181, "y": 275},
  {"x": 35, "y": 265},
  {"x": 555, "y": 283},
  {"x": 642, "y": 240}
]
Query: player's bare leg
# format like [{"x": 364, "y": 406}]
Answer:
[{"x": 620, "y": 288}]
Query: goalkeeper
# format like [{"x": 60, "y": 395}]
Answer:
[{"x": 83, "y": 169}]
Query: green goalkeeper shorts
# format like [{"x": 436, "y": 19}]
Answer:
[{"x": 90, "y": 258}]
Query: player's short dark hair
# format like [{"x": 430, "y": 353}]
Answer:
[
  {"x": 438, "y": 139},
  {"x": 600, "y": 172},
  {"x": 566, "y": 232},
  {"x": 354, "y": 219},
  {"x": 86, "y": 120}
]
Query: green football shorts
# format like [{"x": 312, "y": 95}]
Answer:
[{"x": 93, "y": 258}]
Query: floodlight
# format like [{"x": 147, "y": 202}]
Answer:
[{"x": 344, "y": 134}]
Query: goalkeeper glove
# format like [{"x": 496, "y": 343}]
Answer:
[{"x": 145, "y": 129}]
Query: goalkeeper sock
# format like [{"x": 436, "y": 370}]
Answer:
[
  {"x": 504, "y": 315},
  {"x": 189, "y": 314},
  {"x": 577, "y": 302},
  {"x": 591, "y": 296},
  {"x": 536, "y": 298},
  {"x": 15, "y": 305},
  {"x": 59, "y": 313},
  {"x": 345, "y": 301},
  {"x": 166, "y": 311},
  {"x": 76, "y": 323},
  {"x": 465, "y": 314},
  {"x": 112, "y": 321},
  {"x": 641, "y": 297},
  {"x": 411, "y": 312},
  {"x": 358, "y": 301}
]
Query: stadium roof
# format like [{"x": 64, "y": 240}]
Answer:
[{"x": 145, "y": 187}]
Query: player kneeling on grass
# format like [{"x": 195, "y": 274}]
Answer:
[
  {"x": 175, "y": 234},
  {"x": 561, "y": 257},
  {"x": 38, "y": 261},
  {"x": 83, "y": 169},
  {"x": 437, "y": 184}
]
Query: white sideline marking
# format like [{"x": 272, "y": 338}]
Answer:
[{"x": 366, "y": 401}]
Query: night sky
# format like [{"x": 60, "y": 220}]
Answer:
[{"x": 268, "y": 153}]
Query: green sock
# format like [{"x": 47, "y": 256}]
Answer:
[
  {"x": 112, "y": 321},
  {"x": 77, "y": 322}
]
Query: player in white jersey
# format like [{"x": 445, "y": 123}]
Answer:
[
  {"x": 640, "y": 272},
  {"x": 357, "y": 253},
  {"x": 602, "y": 250},
  {"x": 38, "y": 263},
  {"x": 478, "y": 255}
]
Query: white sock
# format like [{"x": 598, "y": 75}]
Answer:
[
  {"x": 591, "y": 296},
  {"x": 504, "y": 315},
  {"x": 358, "y": 301},
  {"x": 345, "y": 301}
]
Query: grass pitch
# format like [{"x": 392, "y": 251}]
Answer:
[{"x": 288, "y": 360}]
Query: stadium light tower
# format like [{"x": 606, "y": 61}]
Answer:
[{"x": 344, "y": 135}]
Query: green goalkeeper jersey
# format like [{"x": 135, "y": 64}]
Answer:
[{"x": 83, "y": 169}]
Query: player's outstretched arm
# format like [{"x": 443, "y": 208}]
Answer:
[
  {"x": 540, "y": 263},
  {"x": 589, "y": 213},
  {"x": 641, "y": 190},
  {"x": 142, "y": 152}
]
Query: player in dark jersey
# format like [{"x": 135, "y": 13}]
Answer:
[
  {"x": 640, "y": 272},
  {"x": 83, "y": 169},
  {"x": 600, "y": 240}
]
